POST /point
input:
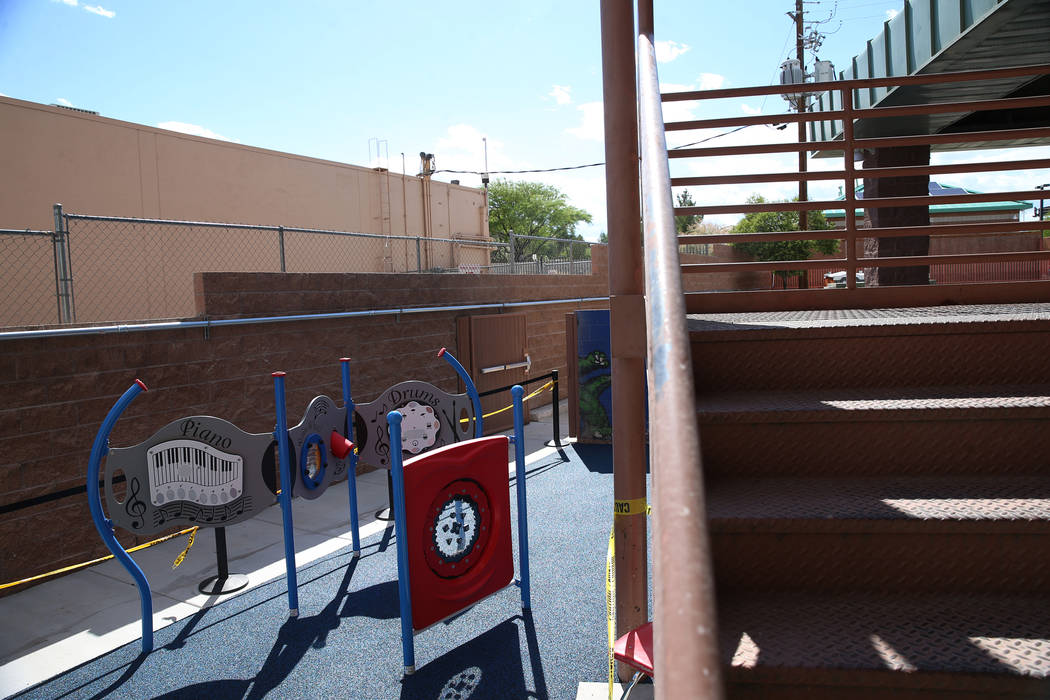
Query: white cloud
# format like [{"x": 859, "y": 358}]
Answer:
[
  {"x": 592, "y": 122},
  {"x": 584, "y": 189},
  {"x": 736, "y": 165},
  {"x": 100, "y": 11},
  {"x": 667, "y": 51},
  {"x": 890, "y": 14},
  {"x": 679, "y": 111},
  {"x": 193, "y": 130},
  {"x": 711, "y": 81},
  {"x": 64, "y": 102},
  {"x": 748, "y": 109},
  {"x": 686, "y": 111},
  {"x": 71, "y": 3},
  {"x": 562, "y": 94},
  {"x": 463, "y": 148}
]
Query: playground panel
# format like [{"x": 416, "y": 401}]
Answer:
[
  {"x": 198, "y": 470},
  {"x": 457, "y": 503},
  {"x": 205, "y": 471},
  {"x": 432, "y": 418}
]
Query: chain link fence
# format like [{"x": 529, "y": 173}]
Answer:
[
  {"x": 539, "y": 255},
  {"x": 29, "y": 293},
  {"x": 99, "y": 269}
]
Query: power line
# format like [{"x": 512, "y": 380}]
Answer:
[
  {"x": 709, "y": 138},
  {"x": 577, "y": 167},
  {"x": 519, "y": 172}
]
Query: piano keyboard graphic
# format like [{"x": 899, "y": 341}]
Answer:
[{"x": 187, "y": 470}]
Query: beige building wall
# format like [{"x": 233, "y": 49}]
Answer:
[{"x": 95, "y": 165}]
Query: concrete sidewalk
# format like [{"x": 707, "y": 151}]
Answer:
[{"x": 62, "y": 623}]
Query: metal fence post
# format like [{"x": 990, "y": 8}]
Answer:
[
  {"x": 280, "y": 244},
  {"x": 512, "y": 258},
  {"x": 419, "y": 256},
  {"x": 63, "y": 269}
]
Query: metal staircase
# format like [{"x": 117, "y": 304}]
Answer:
[
  {"x": 859, "y": 475},
  {"x": 878, "y": 501}
]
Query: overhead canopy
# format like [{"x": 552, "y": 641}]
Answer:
[{"x": 941, "y": 36}]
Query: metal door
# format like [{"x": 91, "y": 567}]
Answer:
[{"x": 497, "y": 348}]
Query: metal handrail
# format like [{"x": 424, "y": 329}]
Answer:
[
  {"x": 860, "y": 83},
  {"x": 846, "y": 144},
  {"x": 875, "y": 232},
  {"x": 687, "y": 661}
]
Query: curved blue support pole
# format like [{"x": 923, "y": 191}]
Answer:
[
  {"x": 393, "y": 421},
  {"x": 104, "y": 525},
  {"x": 351, "y": 477},
  {"x": 285, "y": 452},
  {"x": 517, "y": 392},
  {"x": 472, "y": 391}
]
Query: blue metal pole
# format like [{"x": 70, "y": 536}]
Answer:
[
  {"x": 517, "y": 392},
  {"x": 351, "y": 477},
  {"x": 472, "y": 390},
  {"x": 285, "y": 454},
  {"x": 104, "y": 525},
  {"x": 393, "y": 421}
]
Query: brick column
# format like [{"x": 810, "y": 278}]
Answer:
[{"x": 911, "y": 186}]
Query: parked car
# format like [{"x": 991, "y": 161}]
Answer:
[{"x": 837, "y": 280}]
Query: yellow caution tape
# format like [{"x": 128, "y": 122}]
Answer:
[
  {"x": 634, "y": 506},
  {"x": 182, "y": 555},
  {"x": 610, "y": 603},
  {"x": 81, "y": 565},
  {"x": 507, "y": 408}
]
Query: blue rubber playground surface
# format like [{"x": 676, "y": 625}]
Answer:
[{"x": 346, "y": 641}]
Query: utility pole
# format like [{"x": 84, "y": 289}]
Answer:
[{"x": 803, "y": 193}]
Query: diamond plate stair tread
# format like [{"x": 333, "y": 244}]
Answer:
[
  {"x": 853, "y": 318},
  {"x": 1016, "y": 503},
  {"x": 897, "y": 403},
  {"x": 994, "y": 635}
]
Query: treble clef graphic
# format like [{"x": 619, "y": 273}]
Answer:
[{"x": 135, "y": 506}]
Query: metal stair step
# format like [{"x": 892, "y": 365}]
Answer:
[
  {"x": 862, "y": 504},
  {"x": 946, "y": 533},
  {"x": 862, "y": 645},
  {"x": 897, "y": 403},
  {"x": 898, "y": 430},
  {"x": 871, "y": 348}
]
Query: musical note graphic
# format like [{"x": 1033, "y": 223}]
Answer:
[{"x": 134, "y": 506}]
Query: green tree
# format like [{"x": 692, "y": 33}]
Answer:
[
  {"x": 684, "y": 224},
  {"x": 768, "y": 221},
  {"x": 534, "y": 209}
]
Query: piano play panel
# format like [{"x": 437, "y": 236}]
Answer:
[{"x": 198, "y": 470}]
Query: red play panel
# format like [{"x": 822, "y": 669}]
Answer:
[{"x": 457, "y": 507}]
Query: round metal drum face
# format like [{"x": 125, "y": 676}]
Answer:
[
  {"x": 419, "y": 429},
  {"x": 459, "y": 522}
]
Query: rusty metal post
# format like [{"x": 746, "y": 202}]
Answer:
[
  {"x": 687, "y": 663},
  {"x": 849, "y": 189},
  {"x": 627, "y": 310}
]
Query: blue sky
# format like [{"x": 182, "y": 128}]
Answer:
[{"x": 323, "y": 78}]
